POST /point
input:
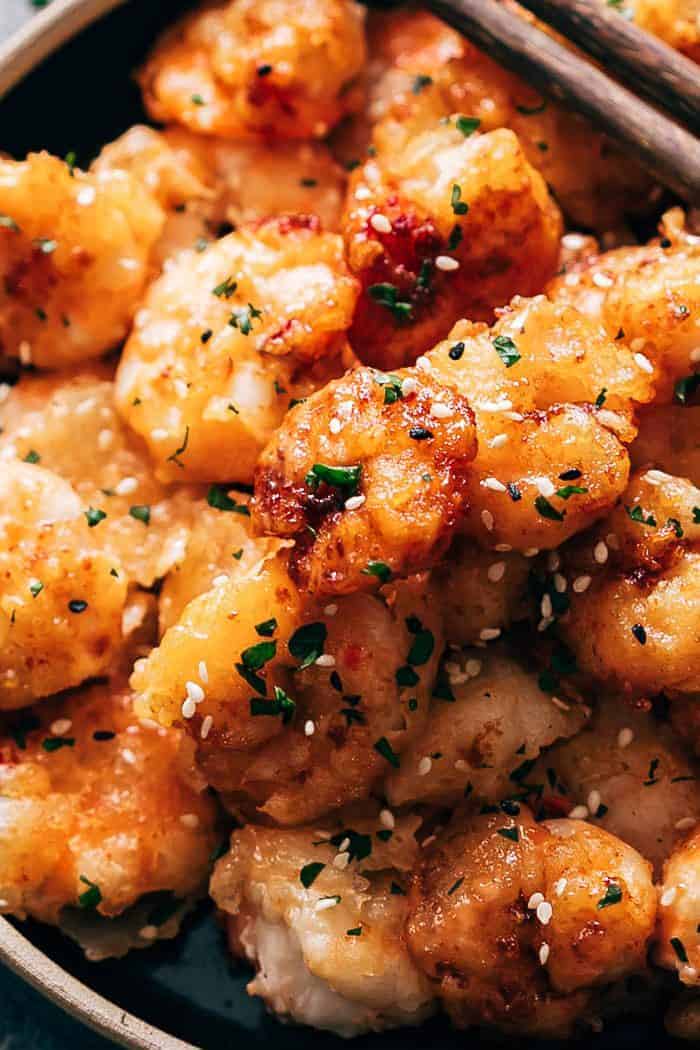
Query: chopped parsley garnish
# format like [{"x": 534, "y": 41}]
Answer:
[
  {"x": 685, "y": 388},
  {"x": 219, "y": 500},
  {"x": 142, "y": 512},
  {"x": 422, "y": 647},
  {"x": 55, "y": 743},
  {"x": 386, "y": 751},
  {"x": 36, "y": 587},
  {"x": 513, "y": 491},
  {"x": 92, "y": 896},
  {"x": 197, "y": 100},
  {"x": 459, "y": 207},
  {"x": 355, "y": 932},
  {"x": 226, "y": 289},
  {"x": 506, "y": 350},
  {"x": 419, "y": 82},
  {"x": 455, "y": 886},
  {"x": 637, "y": 514},
  {"x": 387, "y": 295},
  {"x": 570, "y": 490},
  {"x": 696, "y": 515},
  {"x": 613, "y": 895},
  {"x": 7, "y": 223},
  {"x": 679, "y": 949},
  {"x": 406, "y": 677},
  {"x": 32, "y": 456},
  {"x": 651, "y": 774},
  {"x": 77, "y": 605},
  {"x": 94, "y": 516},
  {"x": 391, "y": 385},
  {"x": 467, "y": 125},
  {"x": 310, "y": 872},
  {"x": 509, "y": 833},
  {"x": 267, "y": 628},
  {"x": 396, "y": 890},
  {"x": 306, "y": 644},
  {"x": 455, "y": 238},
  {"x": 530, "y": 111},
  {"x": 340, "y": 477},
  {"x": 600, "y": 400},
  {"x": 174, "y": 458},
  {"x": 256, "y": 656},
  {"x": 676, "y": 526},
  {"x": 308, "y": 182},
  {"x": 378, "y": 569},
  {"x": 545, "y": 508},
  {"x": 243, "y": 318},
  {"x": 281, "y": 704}
]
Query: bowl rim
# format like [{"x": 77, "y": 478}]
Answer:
[{"x": 20, "y": 54}]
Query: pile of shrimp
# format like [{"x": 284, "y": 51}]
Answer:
[{"x": 350, "y": 500}]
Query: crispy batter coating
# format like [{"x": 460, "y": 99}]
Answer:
[
  {"x": 483, "y": 904},
  {"x": 226, "y": 338},
  {"x": 483, "y": 733},
  {"x": 634, "y": 621},
  {"x": 398, "y": 447},
  {"x": 337, "y": 690},
  {"x": 329, "y": 952},
  {"x": 453, "y": 225},
  {"x": 61, "y": 595},
  {"x": 91, "y": 797},
  {"x": 675, "y": 21},
  {"x": 250, "y": 69},
  {"x": 677, "y": 937},
  {"x": 669, "y": 439},
  {"x": 75, "y": 257}
]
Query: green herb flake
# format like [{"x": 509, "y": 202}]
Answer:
[
  {"x": 310, "y": 872},
  {"x": 355, "y": 932},
  {"x": 613, "y": 895},
  {"x": 35, "y": 588},
  {"x": 243, "y": 318},
  {"x": 32, "y": 457},
  {"x": 92, "y": 896},
  {"x": 386, "y": 751},
  {"x": 637, "y": 514},
  {"x": 280, "y": 704},
  {"x": 420, "y": 82},
  {"x": 306, "y": 644},
  {"x": 256, "y": 656},
  {"x": 174, "y": 457},
  {"x": 141, "y": 512},
  {"x": 347, "y": 478},
  {"x": 467, "y": 125},
  {"x": 219, "y": 500},
  {"x": 685, "y": 388},
  {"x": 509, "y": 833},
  {"x": 600, "y": 400},
  {"x": 379, "y": 569},
  {"x": 94, "y": 516},
  {"x": 506, "y": 350},
  {"x": 459, "y": 207},
  {"x": 8, "y": 223},
  {"x": 455, "y": 886},
  {"x": 387, "y": 295},
  {"x": 679, "y": 949},
  {"x": 55, "y": 743},
  {"x": 226, "y": 289},
  {"x": 267, "y": 628},
  {"x": 77, "y": 605},
  {"x": 545, "y": 508},
  {"x": 567, "y": 491}
]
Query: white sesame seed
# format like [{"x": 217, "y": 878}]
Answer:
[
  {"x": 601, "y": 280},
  {"x": 503, "y": 548},
  {"x": 667, "y": 897},
  {"x": 128, "y": 756},
  {"x": 148, "y": 933},
  {"x": 159, "y": 434},
  {"x": 206, "y": 727},
  {"x": 423, "y": 364},
  {"x": 515, "y": 417},
  {"x": 553, "y": 561},
  {"x": 473, "y": 668},
  {"x": 85, "y": 195},
  {"x": 600, "y": 552},
  {"x": 309, "y": 728},
  {"x": 560, "y": 886},
  {"x": 427, "y": 842},
  {"x": 219, "y": 580},
  {"x": 572, "y": 279},
  {"x": 494, "y": 484},
  {"x": 445, "y": 262},
  {"x": 424, "y": 766},
  {"x": 495, "y": 406},
  {"x": 560, "y": 583},
  {"x": 498, "y": 441},
  {"x": 461, "y": 765},
  {"x": 593, "y": 801},
  {"x": 574, "y": 242},
  {"x": 61, "y": 726},
  {"x": 535, "y": 901},
  {"x": 439, "y": 410},
  {"x": 326, "y": 660},
  {"x": 386, "y": 819},
  {"x": 409, "y": 386},
  {"x": 685, "y": 823},
  {"x": 487, "y": 520},
  {"x": 546, "y": 606},
  {"x": 625, "y": 737},
  {"x": 543, "y": 953},
  {"x": 326, "y": 902},
  {"x": 644, "y": 363},
  {"x": 189, "y": 820},
  {"x": 5, "y": 389},
  {"x": 578, "y": 813},
  {"x": 496, "y": 571},
  {"x": 341, "y": 861},
  {"x": 125, "y": 486},
  {"x": 105, "y": 439},
  {"x": 380, "y": 223},
  {"x": 544, "y": 486},
  {"x": 188, "y": 708},
  {"x": 355, "y": 502},
  {"x": 544, "y": 623},
  {"x": 363, "y": 193},
  {"x": 203, "y": 671},
  {"x": 560, "y": 704},
  {"x": 344, "y": 845},
  {"x": 612, "y": 541},
  {"x": 25, "y": 352},
  {"x": 695, "y": 355},
  {"x": 194, "y": 692},
  {"x": 544, "y": 912},
  {"x": 581, "y": 584},
  {"x": 638, "y": 343},
  {"x": 330, "y": 610},
  {"x": 531, "y": 552},
  {"x": 489, "y": 634},
  {"x": 656, "y": 477}
]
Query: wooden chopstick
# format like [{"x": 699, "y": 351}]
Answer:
[
  {"x": 646, "y": 64},
  {"x": 668, "y": 151}
]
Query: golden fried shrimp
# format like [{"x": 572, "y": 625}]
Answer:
[
  {"x": 518, "y": 923},
  {"x": 75, "y": 258},
  {"x": 634, "y": 620},
  {"x": 674, "y": 21},
  {"x": 69, "y": 424},
  {"x": 248, "y": 69},
  {"x": 678, "y": 937},
  {"x": 488, "y": 723},
  {"x": 629, "y": 774},
  {"x": 61, "y": 595},
  {"x": 669, "y": 439},
  {"x": 553, "y": 399},
  {"x": 453, "y": 225},
  {"x": 323, "y": 925},
  {"x": 96, "y": 810},
  {"x": 368, "y": 476},
  {"x": 206, "y": 183},
  {"x": 339, "y": 690},
  {"x": 427, "y": 71},
  {"x": 647, "y": 297},
  {"x": 479, "y": 591},
  {"x": 226, "y": 338}
]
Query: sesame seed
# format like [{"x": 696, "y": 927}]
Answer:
[
  {"x": 498, "y": 441},
  {"x": 104, "y": 439},
  {"x": 531, "y": 552},
  {"x": 638, "y": 343},
  {"x": 25, "y": 352},
  {"x": 685, "y": 823},
  {"x": 309, "y": 728},
  {"x": 125, "y": 486},
  {"x": 423, "y": 364},
  {"x": 496, "y": 571},
  {"x": 601, "y": 280},
  {"x": 326, "y": 902},
  {"x": 487, "y": 520},
  {"x": 424, "y": 766},
  {"x": 427, "y": 842},
  {"x": 85, "y": 195},
  {"x": 439, "y": 410},
  {"x": 181, "y": 388},
  {"x": 219, "y": 580},
  {"x": 593, "y": 801},
  {"x": 600, "y": 552},
  {"x": 363, "y": 193},
  {"x": 495, "y": 406},
  {"x": 543, "y": 953},
  {"x": 494, "y": 484},
  {"x": 560, "y": 886},
  {"x": 667, "y": 897},
  {"x": 206, "y": 727},
  {"x": 612, "y": 541},
  {"x": 380, "y": 223},
  {"x": 325, "y": 660},
  {"x": 535, "y": 901},
  {"x": 544, "y": 486},
  {"x": 330, "y": 610},
  {"x": 560, "y": 704},
  {"x": 128, "y": 756},
  {"x": 61, "y": 726},
  {"x": 194, "y": 692},
  {"x": 159, "y": 434},
  {"x": 656, "y": 477},
  {"x": 341, "y": 861},
  {"x": 515, "y": 417},
  {"x": 386, "y": 819},
  {"x": 148, "y": 933},
  {"x": 644, "y": 363},
  {"x": 203, "y": 672},
  {"x": 189, "y": 820},
  {"x": 335, "y": 426},
  {"x": 343, "y": 845},
  {"x": 546, "y": 606},
  {"x": 5, "y": 389},
  {"x": 503, "y": 547},
  {"x": 544, "y": 912},
  {"x": 578, "y": 813},
  {"x": 473, "y": 668},
  {"x": 409, "y": 386},
  {"x": 489, "y": 634},
  {"x": 695, "y": 355},
  {"x": 581, "y": 584},
  {"x": 574, "y": 242},
  {"x": 625, "y": 737},
  {"x": 553, "y": 561},
  {"x": 444, "y": 262},
  {"x": 544, "y": 623},
  {"x": 461, "y": 765},
  {"x": 572, "y": 279},
  {"x": 355, "y": 502},
  {"x": 560, "y": 583}
]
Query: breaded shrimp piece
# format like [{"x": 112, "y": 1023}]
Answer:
[
  {"x": 61, "y": 595},
  {"x": 337, "y": 690},
  {"x": 368, "y": 476},
  {"x": 205, "y": 183},
  {"x": 518, "y": 923},
  {"x": 552, "y": 456},
  {"x": 75, "y": 257},
  {"x": 326, "y": 938},
  {"x": 453, "y": 225},
  {"x": 677, "y": 937},
  {"x": 484, "y": 731},
  {"x": 630, "y": 775},
  {"x": 647, "y": 297},
  {"x": 674, "y": 21},
  {"x": 634, "y": 619},
  {"x": 249, "y": 69},
  {"x": 422, "y": 71},
  {"x": 98, "y": 809},
  {"x": 69, "y": 424},
  {"x": 480, "y": 591},
  {"x": 669, "y": 439},
  {"x": 226, "y": 338}
]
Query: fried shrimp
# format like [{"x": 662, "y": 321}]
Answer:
[
  {"x": 489, "y": 721},
  {"x": 97, "y": 810},
  {"x": 75, "y": 257},
  {"x": 647, "y": 297},
  {"x": 320, "y": 913},
  {"x": 678, "y": 939},
  {"x": 669, "y": 439},
  {"x": 634, "y": 619},
  {"x": 518, "y": 923},
  {"x": 368, "y": 476},
  {"x": 339, "y": 689},
  {"x": 553, "y": 399},
  {"x": 226, "y": 338},
  {"x": 61, "y": 595},
  {"x": 453, "y": 225},
  {"x": 251, "y": 69}
]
